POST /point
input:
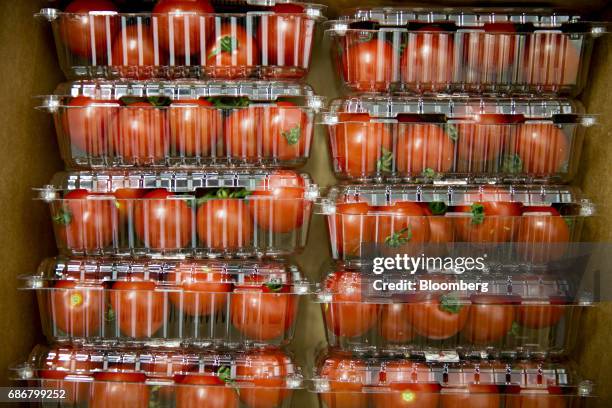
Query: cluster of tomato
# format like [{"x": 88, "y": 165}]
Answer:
[
  {"x": 189, "y": 33},
  {"x": 405, "y": 383},
  {"x": 222, "y": 220},
  {"x": 149, "y": 131},
  {"x": 258, "y": 381},
  {"x": 430, "y": 59},
  {"x": 494, "y": 145}
]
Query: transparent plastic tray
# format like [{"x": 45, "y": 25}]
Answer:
[
  {"x": 342, "y": 381},
  {"x": 525, "y": 224},
  {"x": 111, "y": 377},
  {"x": 213, "y": 303},
  {"x": 223, "y": 41},
  {"x": 502, "y": 315},
  {"x": 463, "y": 50},
  {"x": 183, "y": 124},
  {"x": 432, "y": 139},
  {"x": 207, "y": 213}
]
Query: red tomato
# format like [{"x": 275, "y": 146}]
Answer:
[
  {"x": 347, "y": 315},
  {"x": 266, "y": 371},
  {"x": 409, "y": 388},
  {"x": 474, "y": 396},
  {"x": 163, "y": 223},
  {"x": 441, "y": 228},
  {"x": 424, "y": 149},
  {"x": 88, "y": 123},
  {"x": 427, "y": 59},
  {"x": 279, "y": 206},
  {"x": 539, "y": 315},
  {"x": 538, "y": 149},
  {"x": 489, "y": 320},
  {"x": 82, "y": 223},
  {"x": 142, "y": 135},
  {"x": 138, "y": 308},
  {"x": 400, "y": 225},
  {"x": 395, "y": 325},
  {"x": 490, "y": 221},
  {"x": 438, "y": 318},
  {"x": 552, "y": 60},
  {"x": 205, "y": 391},
  {"x": 134, "y": 49},
  {"x": 195, "y": 126},
  {"x": 203, "y": 293},
  {"x": 346, "y": 378},
  {"x": 361, "y": 148},
  {"x": 181, "y": 14},
  {"x": 119, "y": 390},
  {"x": 536, "y": 399},
  {"x": 542, "y": 235},
  {"x": 77, "y": 310},
  {"x": 231, "y": 53},
  {"x": 367, "y": 63},
  {"x": 481, "y": 143},
  {"x": 243, "y": 128},
  {"x": 490, "y": 53},
  {"x": 76, "y": 30},
  {"x": 125, "y": 199},
  {"x": 225, "y": 224},
  {"x": 262, "y": 310},
  {"x": 286, "y": 132},
  {"x": 349, "y": 228},
  {"x": 77, "y": 392}
]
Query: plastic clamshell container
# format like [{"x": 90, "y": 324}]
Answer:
[
  {"x": 167, "y": 302},
  {"x": 271, "y": 42},
  {"x": 514, "y": 315},
  {"x": 463, "y": 50},
  {"x": 376, "y": 138},
  {"x": 342, "y": 381},
  {"x": 105, "y": 377},
  {"x": 183, "y": 124},
  {"x": 527, "y": 225},
  {"x": 224, "y": 213}
]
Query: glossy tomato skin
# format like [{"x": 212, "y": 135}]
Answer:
[
  {"x": 228, "y": 56},
  {"x": 267, "y": 371},
  {"x": 225, "y": 224},
  {"x": 138, "y": 308},
  {"x": 540, "y": 149},
  {"x": 402, "y": 225},
  {"x": 347, "y": 315},
  {"x": 84, "y": 224},
  {"x": 195, "y": 128},
  {"x": 395, "y": 323},
  {"x": 488, "y": 222},
  {"x": 119, "y": 390},
  {"x": 125, "y": 201},
  {"x": 134, "y": 54},
  {"x": 242, "y": 134},
  {"x": 489, "y": 320},
  {"x": 346, "y": 378},
  {"x": 205, "y": 391},
  {"x": 543, "y": 235},
  {"x": 202, "y": 293},
  {"x": 438, "y": 318},
  {"x": 424, "y": 150},
  {"x": 286, "y": 132},
  {"x": 361, "y": 148},
  {"x": 76, "y": 30},
  {"x": 350, "y": 227},
  {"x": 176, "y": 14},
  {"x": 367, "y": 63},
  {"x": 76, "y": 310},
  {"x": 163, "y": 223},
  {"x": 77, "y": 392},
  {"x": 88, "y": 126},
  {"x": 491, "y": 54},
  {"x": 480, "y": 144},
  {"x": 552, "y": 61},
  {"x": 474, "y": 396}
]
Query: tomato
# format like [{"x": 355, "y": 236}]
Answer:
[
  {"x": 490, "y": 53},
  {"x": 441, "y": 228},
  {"x": 76, "y": 30},
  {"x": 367, "y": 63},
  {"x": 408, "y": 387},
  {"x": 481, "y": 143},
  {"x": 346, "y": 378},
  {"x": 489, "y": 320},
  {"x": 205, "y": 391},
  {"x": 538, "y": 149},
  {"x": 536, "y": 399},
  {"x": 263, "y": 310},
  {"x": 119, "y": 390},
  {"x": 77, "y": 310},
  {"x": 539, "y": 316},
  {"x": 135, "y": 51},
  {"x": 225, "y": 224},
  {"x": 490, "y": 221},
  {"x": 181, "y": 14},
  {"x": 552, "y": 60},
  {"x": 125, "y": 199},
  {"x": 138, "y": 308},
  {"x": 202, "y": 293},
  {"x": 474, "y": 396},
  {"x": 279, "y": 206},
  {"x": 349, "y": 228},
  {"x": 266, "y": 371},
  {"x": 243, "y": 130},
  {"x": 231, "y": 52},
  {"x": 77, "y": 392},
  {"x": 395, "y": 325},
  {"x": 361, "y": 148},
  {"x": 163, "y": 223},
  {"x": 400, "y": 225},
  {"x": 84, "y": 223},
  {"x": 286, "y": 132},
  {"x": 542, "y": 235},
  {"x": 195, "y": 126},
  {"x": 424, "y": 149},
  {"x": 438, "y": 318},
  {"x": 347, "y": 315},
  {"x": 87, "y": 123},
  {"x": 142, "y": 137},
  {"x": 427, "y": 58}
]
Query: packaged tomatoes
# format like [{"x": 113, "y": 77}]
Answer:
[
  {"x": 399, "y": 138},
  {"x": 183, "y": 377},
  {"x": 178, "y": 39},
  {"x": 462, "y": 50},
  {"x": 208, "y": 213},
  {"x": 183, "y": 124},
  {"x": 137, "y": 301}
]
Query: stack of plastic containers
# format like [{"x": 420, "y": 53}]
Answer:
[
  {"x": 181, "y": 131},
  {"x": 457, "y": 137}
]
